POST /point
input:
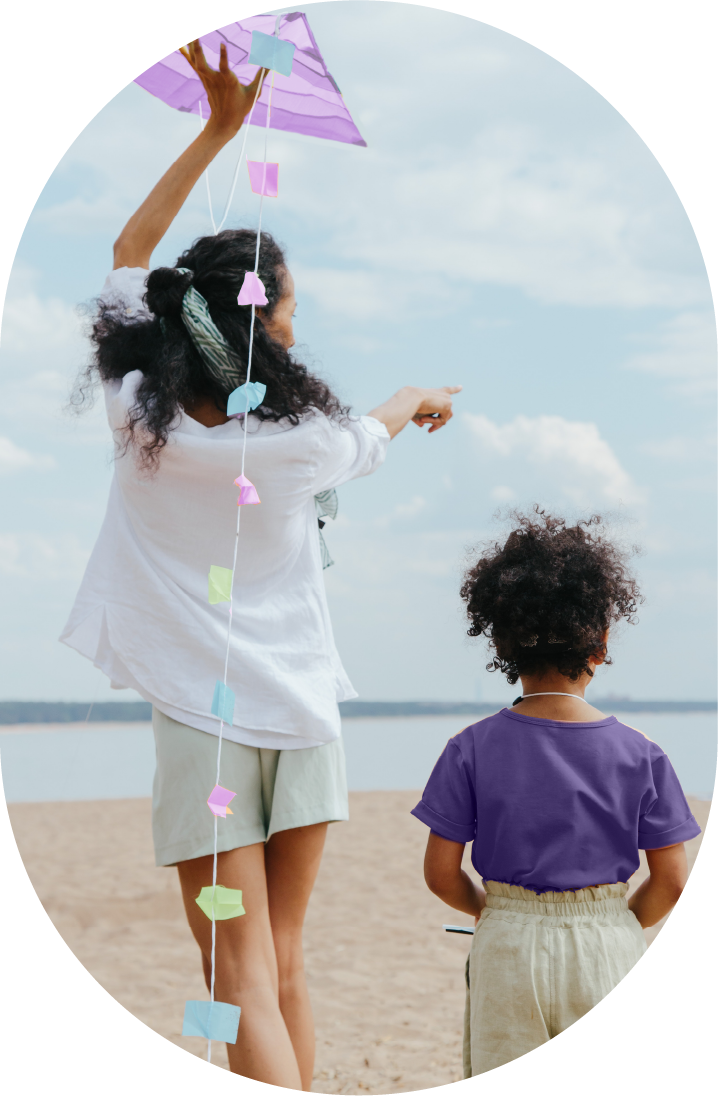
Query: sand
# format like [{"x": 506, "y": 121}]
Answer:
[{"x": 386, "y": 981}]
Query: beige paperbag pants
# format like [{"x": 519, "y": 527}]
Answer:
[{"x": 539, "y": 962}]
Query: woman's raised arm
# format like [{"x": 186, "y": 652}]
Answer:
[{"x": 230, "y": 102}]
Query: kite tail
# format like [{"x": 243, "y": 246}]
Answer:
[{"x": 225, "y": 690}]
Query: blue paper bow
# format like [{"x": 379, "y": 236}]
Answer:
[
  {"x": 246, "y": 398},
  {"x": 271, "y": 52}
]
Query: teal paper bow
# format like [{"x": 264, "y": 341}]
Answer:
[
  {"x": 246, "y": 398},
  {"x": 327, "y": 504}
]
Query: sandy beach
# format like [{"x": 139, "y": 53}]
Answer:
[{"x": 386, "y": 981}]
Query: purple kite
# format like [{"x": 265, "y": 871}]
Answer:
[{"x": 308, "y": 101}]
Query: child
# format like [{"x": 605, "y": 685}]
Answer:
[{"x": 556, "y": 797}]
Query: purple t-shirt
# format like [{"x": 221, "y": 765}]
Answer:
[{"x": 555, "y": 806}]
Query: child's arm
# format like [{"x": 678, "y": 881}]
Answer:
[
  {"x": 446, "y": 879},
  {"x": 230, "y": 103},
  {"x": 658, "y": 894}
]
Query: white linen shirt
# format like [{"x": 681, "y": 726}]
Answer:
[{"x": 142, "y": 613}]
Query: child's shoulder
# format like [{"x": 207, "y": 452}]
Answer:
[
  {"x": 480, "y": 725},
  {"x": 630, "y": 727},
  {"x": 638, "y": 741}
]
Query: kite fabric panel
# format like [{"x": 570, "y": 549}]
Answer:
[{"x": 308, "y": 101}]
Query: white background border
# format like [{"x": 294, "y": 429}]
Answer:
[{"x": 655, "y": 62}]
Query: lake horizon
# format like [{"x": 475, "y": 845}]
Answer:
[{"x": 59, "y": 762}]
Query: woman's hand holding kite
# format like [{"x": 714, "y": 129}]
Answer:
[
  {"x": 230, "y": 103},
  {"x": 419, "y": 405}
]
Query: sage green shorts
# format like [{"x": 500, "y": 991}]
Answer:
[{"x": 275, "y": 790}]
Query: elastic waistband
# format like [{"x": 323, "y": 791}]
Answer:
[{"x": 589, "y": 901}]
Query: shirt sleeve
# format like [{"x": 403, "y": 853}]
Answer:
[
  {"x": 667, "y": 819},
  {"x": 448, "y": 805},
  {"x": 124, "y": 290},
  {"x": 348, "y": 450},
  {"x": 120, "y": 397}
]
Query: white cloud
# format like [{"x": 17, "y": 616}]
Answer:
[
  {"x": 680, "y": 448},
  {"x": 402, "y": 510},
  {"x": 556, "y": 456},
  {"x": 502, "y": 494},
  {"x": 37, "y": 326},
  {"x": 15, "y": 459},
  {"x": 82, "y": 216},
  {"x": 683, "y": 350},
  {"x": 411, "y": 509},
  {"x": 27, "y": 555},
  {"x": 350, "y": 294},
  {"x": 500, "y": 210},
  {"x": 43, "y": 348},
  {"x": 567, "y": 206}
]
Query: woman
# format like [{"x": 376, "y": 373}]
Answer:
[{"x": 142, "y": 613}]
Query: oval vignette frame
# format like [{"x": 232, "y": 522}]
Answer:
[{"x": 621, "y": 50}]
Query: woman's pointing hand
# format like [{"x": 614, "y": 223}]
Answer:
[
  {"x": 420, "y": 405},
  {"x": 435, "y": 407}
]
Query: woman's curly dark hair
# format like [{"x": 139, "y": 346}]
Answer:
[
  {"x": 545, "y": 597},
  {"x": 173, "y": 372}
]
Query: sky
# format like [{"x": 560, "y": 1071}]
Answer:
[{"x": 506, "y": 230}]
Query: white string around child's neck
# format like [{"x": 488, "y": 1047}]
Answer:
[{"x": 574, "y": 695}]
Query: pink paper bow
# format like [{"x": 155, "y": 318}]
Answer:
[
  {"x": 252, "y": 291},
  {"x": 247, "y": 492},
  {"x": 263, "y": 178},
  {"x": 219, "y": 799}
]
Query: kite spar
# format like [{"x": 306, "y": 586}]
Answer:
[{"x": 302, "y": 97}]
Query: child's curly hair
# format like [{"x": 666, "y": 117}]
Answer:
[{"x": 545, "y": 598}]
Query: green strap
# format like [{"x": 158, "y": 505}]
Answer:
[
  {"x": 327, "y": 504},
  {"x": 223, "y": 363}
]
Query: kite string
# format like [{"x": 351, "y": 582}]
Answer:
[
  {"x": 256, "y": 268},
  {"x": 264, "y": 169},
  {"x": 236, "y": 546},
  {"x": 218, "y": 227},
  {"x": 206, "y": 174},
  {"x": 239, "y": 161}
]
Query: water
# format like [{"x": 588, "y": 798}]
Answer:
[
  {"x": 42, "y": 763},
  {"x": 386, "y": 754},
  {"x": 85, "y": 761}
]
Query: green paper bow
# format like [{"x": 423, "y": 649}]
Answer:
[{"x": 227, "y": 902}]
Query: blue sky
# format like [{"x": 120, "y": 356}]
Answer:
[{"x": 506, "y": 230}]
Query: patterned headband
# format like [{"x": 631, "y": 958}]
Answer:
[{"x": 223, "y": 363}]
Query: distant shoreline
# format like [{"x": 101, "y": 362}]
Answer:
[{"x": 139, "y": 711}]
